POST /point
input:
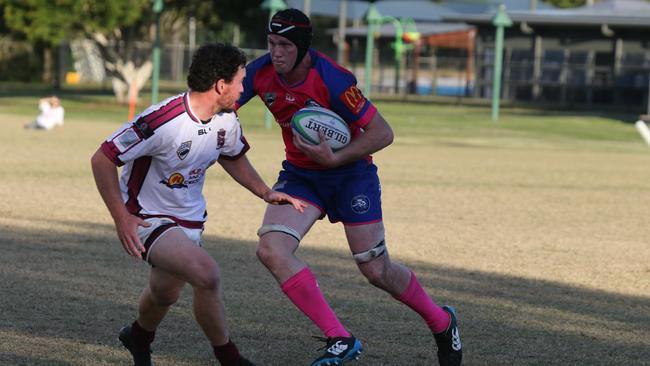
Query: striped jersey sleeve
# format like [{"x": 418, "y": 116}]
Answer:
[{"x": 138, "y": 138}]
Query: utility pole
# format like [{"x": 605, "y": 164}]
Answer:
[
  {"x": 373, "y": 18},
  {"x": 306, "y": 7},
  {"x": 340, "y": 45},
  {"x": 192, "y": 36},
  {"x": 274, "y": 6},
  {"x": 157, "y": 9},
  {"x": 500, "y": 21},
  {"x": 648, "y": 105}
]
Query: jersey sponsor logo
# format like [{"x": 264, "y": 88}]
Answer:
[
  {"x": 126, "y": 140},
  {"x": 289, "y": 98},
  {"x": 195, "y": 175},
  {"x": 353, "y": 99},
  {"x": 203, "y": 131},
  {"x": 360, "y": 204},
  {"x": 143, "y": 127},
  {"x": 184, "y": 149},
  {"x": 221, "y": 138},
  {"x": 174, "y": 181},
  {"x": 269, "y": 98}
]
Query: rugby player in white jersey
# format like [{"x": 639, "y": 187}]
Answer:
[{"x": 158, "y": 206}]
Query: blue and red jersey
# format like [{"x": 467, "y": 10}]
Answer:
[{"x": 327, "y": 85}]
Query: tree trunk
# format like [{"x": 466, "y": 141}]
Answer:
[
  {"x": 47, "y": 64},
  {"x": 127, "y": 78}
]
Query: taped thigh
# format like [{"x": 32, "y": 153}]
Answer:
[
  {"x": 278, "y": 228},
  {"x": 371, "y": 254}
]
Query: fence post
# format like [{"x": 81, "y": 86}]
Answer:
[
  {"x": 501, "y": 20},
  {"x": 157, "y": 9}
]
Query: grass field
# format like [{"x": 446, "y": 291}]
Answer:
[{"x": 534, "y": 228}]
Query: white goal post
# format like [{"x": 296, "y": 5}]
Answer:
[{"x": 644, "y": 131}]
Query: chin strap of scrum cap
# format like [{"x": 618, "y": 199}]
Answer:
[
  {"x": 280, "y": 229},
  {"x": 371, "y": 254}
]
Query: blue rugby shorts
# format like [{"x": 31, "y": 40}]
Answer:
[{"x": 350, "y": 194}]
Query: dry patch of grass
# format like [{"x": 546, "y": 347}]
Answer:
[{"x": 541, "y": 246}]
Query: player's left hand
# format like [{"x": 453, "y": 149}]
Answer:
[
  {"x": 279, "y": 198},
  {"x": 321, "y": 153}
]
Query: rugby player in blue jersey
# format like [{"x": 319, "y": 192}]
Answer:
[{"x": 341, "y": 185}]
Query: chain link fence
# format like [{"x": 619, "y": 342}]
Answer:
[{"x": 557, "y": 77}]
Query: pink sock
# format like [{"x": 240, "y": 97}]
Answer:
[
  {"x": 302, "y": 289},
  {"x": 418, "y": 300}
]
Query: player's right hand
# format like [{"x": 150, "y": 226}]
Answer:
[
  {"x": 127, "y": 231},
  {"x": 279, "y": 198}
]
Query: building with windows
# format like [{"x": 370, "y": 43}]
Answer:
[{"x": 596, "y": 54}]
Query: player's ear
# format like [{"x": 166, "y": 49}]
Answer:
[{"x": 219, "y": 85}]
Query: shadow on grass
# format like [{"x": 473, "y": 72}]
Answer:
[
  {"x": 75, "y": 288},
  {"x": 11, "y": 359}
]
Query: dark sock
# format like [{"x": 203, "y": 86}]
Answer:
[
  {"x": 227, "y": 354},
  {"x": 142, "y": 337}
]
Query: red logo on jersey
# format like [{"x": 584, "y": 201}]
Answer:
[
  {"x": 221, "y": 138},
  {"x": 353, "y": 99}
]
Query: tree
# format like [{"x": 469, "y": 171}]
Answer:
[
  {"x": 123, "y": 29},
  {"x": 566, "y": 3},
  {"x": 113, "y": 25}
]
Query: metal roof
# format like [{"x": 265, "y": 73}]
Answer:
[
  {"x": 620, "y": 13},
  {"x": 615, "y": 7},
  {"x": 487, "y": 6},
  {"x": 356, "y": 9},
  {"x": 425, "y": 29},
  {"x": 416, "y": 10},
  {"x": 419, "y": 10}
]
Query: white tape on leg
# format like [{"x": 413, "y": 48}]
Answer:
[
  {"x": 370, "y": 254},
  {"x": 278, "y": 228}
]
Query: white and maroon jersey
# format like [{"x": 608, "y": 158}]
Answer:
[{"x": 166, "y": 151}]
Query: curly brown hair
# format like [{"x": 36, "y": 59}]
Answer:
[{"x": 213, "y": 62}]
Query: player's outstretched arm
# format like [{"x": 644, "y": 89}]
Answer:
[
  {"x": 126, "y": 225},
  {"x": 242, "y": 171},
  {"x": 377, "y": 135}
]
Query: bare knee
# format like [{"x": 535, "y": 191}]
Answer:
[
  {"x": 207, "y": 276},
  {"x": 264, "y": 251},
  {"x": 164, "y": 296},
  {"x": 376, "y": 272},
  {"x": 271, "y": 252}
]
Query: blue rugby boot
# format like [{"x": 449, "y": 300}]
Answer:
[
  {"x": 450, "y": 349},
  {"x": 141, "y": 357},
  {"x": 338, "y": 351}
]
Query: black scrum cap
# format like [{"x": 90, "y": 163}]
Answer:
[{"x": 295, "y": 26}]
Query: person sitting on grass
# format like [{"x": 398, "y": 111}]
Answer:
[{"x": 51, "y": 114}]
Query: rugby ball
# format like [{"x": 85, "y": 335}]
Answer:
[{"x": 308, "y": 121}]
